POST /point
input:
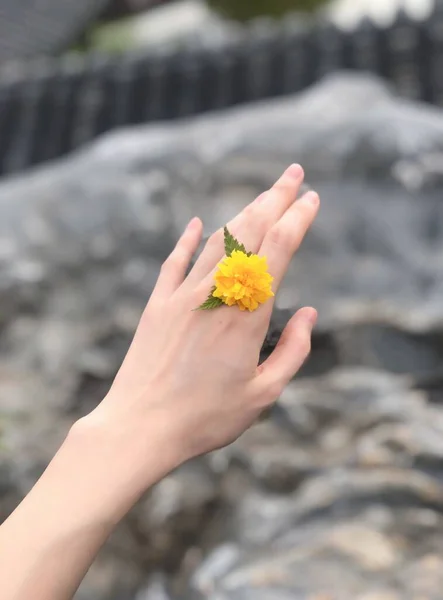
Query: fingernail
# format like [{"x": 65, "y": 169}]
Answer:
[
  {"x": 312, "y": 198},
  {"x": 192, "y": 223},
  {"x": 295, "y": 171},
  {"x": 310, "y": 316}
]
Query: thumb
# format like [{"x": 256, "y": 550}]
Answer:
[{"x": 290, "y": 353}]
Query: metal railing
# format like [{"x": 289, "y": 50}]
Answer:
[{"x": 49, "y": 108}]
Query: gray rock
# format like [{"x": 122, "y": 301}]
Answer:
[
  {"x": 339, "y": 490},
  {"x": 155, "y": 590},
  {"x": 362, "y": 512}
]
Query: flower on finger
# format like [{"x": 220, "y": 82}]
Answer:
[{"x": 242, "y": 279}]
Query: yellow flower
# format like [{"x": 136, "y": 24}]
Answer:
[{"x": 243, "y": 280}]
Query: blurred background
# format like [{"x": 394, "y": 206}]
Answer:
[{"x": 122, "y": 119}]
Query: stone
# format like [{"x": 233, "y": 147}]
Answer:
[
  {"x": 352, "y": 451},
  {"x": 155, "y": 590},
  {"x": 347, "y": 529}
]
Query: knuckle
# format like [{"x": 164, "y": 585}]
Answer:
[
  {"x": 261, "y": 221},
  {"x": 174, "y": 260},
  {"x": 256, "y": 214},
  {"x": 214, "y": 240},
  {"x": 262, "y": 197},
  {"x": 283, "y": 189},
  {"x": 255, "y": 328},
  {"x": 195, "y": 297},
  {"x": 280, "y": 186},
  {"x": 249, "y": 210},
  {"x": 281, "y": 236}
]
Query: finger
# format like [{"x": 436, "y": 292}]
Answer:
[
  {"x": 250, "y": 226},
  {"x": 289, "y": 355},
  {"x": 285, "y": 237},
  {"x": 173, "y": 270}
]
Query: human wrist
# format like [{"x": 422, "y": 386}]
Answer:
[{"x": 130, "y": 454}]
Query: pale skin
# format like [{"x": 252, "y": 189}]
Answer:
[{"x": 189, "y": 384}]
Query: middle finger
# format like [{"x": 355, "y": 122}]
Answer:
[{"x": 251, "y": 225}]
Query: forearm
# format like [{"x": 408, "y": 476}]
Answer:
[{"x": 48, "y": 544}]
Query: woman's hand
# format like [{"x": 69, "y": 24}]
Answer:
[
  {"x": 190, "y": 383},
  {"x": 196, "y": 373}
]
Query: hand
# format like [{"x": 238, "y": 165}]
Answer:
[
  {"x": 190, "y": 383},
  {"x": 195, "y": 374}
]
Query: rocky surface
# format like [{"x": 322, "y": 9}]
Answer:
[
  {"x": 338, "y": 494},
  {"x": 346, "y": 498}
]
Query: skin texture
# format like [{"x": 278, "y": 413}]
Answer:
[{"x": 189, "y": 384}]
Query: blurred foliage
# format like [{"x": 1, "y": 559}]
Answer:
[
  {"x": 106, "y": 36},
  {"x": 112, "y": 37},
  {"x": 117, "y": 36},
  {"x": 243, "y": 10}
]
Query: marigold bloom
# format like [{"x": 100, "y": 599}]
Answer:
[{"x": 243, "y": 280}]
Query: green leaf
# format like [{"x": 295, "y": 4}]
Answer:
[
  {"x": 232, "y": 244},
  {"x": 211, "y": 303}
]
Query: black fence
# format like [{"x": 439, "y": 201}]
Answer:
[{"x": 51, "y": 108}]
